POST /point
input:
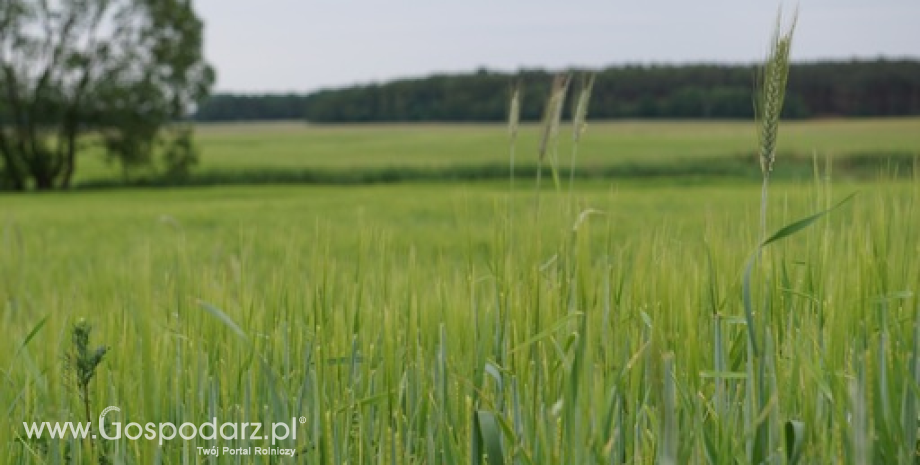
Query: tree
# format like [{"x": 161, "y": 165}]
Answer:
[{"x": 121, "y": 73}]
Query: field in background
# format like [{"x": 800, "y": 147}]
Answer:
[
  {"x": 260, "y": 153},
  {"x": 442, "y": 221}
]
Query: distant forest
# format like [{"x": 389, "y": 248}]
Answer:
[{"x": 820, "y": 89}]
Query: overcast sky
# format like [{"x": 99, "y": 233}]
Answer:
[{"x": 305, "y": 45}]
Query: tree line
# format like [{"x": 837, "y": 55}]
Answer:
[{"x": 820, "y": 89}]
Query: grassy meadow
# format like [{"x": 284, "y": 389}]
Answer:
[
  {"x": 271, "y": 152},
  {"x": 476, "y": 322}
]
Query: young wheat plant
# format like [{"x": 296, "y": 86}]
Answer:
[
  {"x": 551, "y": 119},
  {"x": 580, "y": 122},
  {"x": 769, "y": 106}
]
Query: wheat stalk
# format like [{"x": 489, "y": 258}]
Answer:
[
  {"x": 514, "y": 111},
  {"x": 514, "y": 120},
  {"x": 769, "y": 104},
  {"x": 552, "y": 118},
  {"x": 552, "y": 115},
  {"x": 579, "y": 121}
]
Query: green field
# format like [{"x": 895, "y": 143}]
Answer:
[
  {"x": 684, "y": 147},
  {"x": 439, "y": 322}
]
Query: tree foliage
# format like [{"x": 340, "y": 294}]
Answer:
[
  {"x": 125, "y": 72},
  {"x": 852, "y": 88},
  {"x": 259, "y": 107}
]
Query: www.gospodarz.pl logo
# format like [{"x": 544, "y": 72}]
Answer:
[{"x": 167, "y": 431}]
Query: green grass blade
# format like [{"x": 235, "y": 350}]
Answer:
[
  {"x": 220, "y": 315},
  {"x": 799, "y": 225},
  {"x": 909, "y": 409},
  {"x": 38, "y": 326},
  {"x": 669, "y": 430},
  {"x": 747, "y": 303},
  {"x": 490, "y": 439},
  {"x": 795, "y": 441}
]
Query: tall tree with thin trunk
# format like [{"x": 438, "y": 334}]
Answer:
[{"x": 126, "y": 71}]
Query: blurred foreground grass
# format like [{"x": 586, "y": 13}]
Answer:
[{"x": 424, "y": 323}]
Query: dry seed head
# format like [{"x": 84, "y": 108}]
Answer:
[
  {"x": 559, "y": 96},
  {"x": 514, "y": 111},
  {"x": 579, "y": 122},
  {"x": 553, "y": 112}
]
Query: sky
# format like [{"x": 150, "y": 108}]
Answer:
[{"x": 307, "y": 45}]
